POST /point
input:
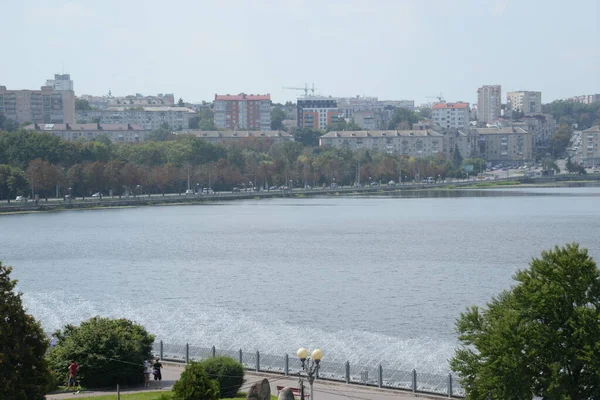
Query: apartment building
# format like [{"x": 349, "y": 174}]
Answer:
[
  {"x": 243, "y": 112},
  {"x": 46, "y": 105},
  {"x": 590, "y": 147},
  {"x": 239, "y": 136},
  {"x": 509, "y": 145},
  {"x": 414, "y": 143},
  {"x": 451, "y": 115},
  {"x": 542, "y": 126},
  {"x": 524, "y": 101},
  {"x": 104, "y": 102},
  {"x": 150, "y": 118},
  {"x": 117, "y": 133},
  {"x": 61, "y": 82},
  {"x": 489, "y": 103},
  {"x": 316, "y": 112},
  {"x": 585, "y": 99}
]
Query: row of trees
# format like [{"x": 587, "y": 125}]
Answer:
[
  {"x": 41, "y": 162},
  {"x": 569, "y": 113}
]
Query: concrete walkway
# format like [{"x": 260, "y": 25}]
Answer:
[{"x": 323, "y": 390}]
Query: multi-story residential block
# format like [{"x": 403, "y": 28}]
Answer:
[
  {"x": 239, "y": 136},
  {"x": 372, "y": 120},
  {"x": 317, "y": 112},
  {"x": 524, "y": 101},
  {"x": 118, "y": 133},
  {"x": 489, "y": 103},
  {"x": 415, "y": 143},
  {"x": 585, "y": 99},
  {"x": 150, "y": 118},
  {"x": 103, "y": 102},
  {"x": 542, "y": 126},
  {"x": 243, "y": 112},
  {"x": 451, "y": 115},
  {"x": 590, "y": 147},
  {"x": 511, "y": 145},
  {"x": 61, "y": 82},
  {"x": 42, "y": 106},
  {"x": 465, "y": 141},
  {"x": 407, "y": 104}
]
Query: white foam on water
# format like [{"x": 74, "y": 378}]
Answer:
[{"x": 180, "y": 323}]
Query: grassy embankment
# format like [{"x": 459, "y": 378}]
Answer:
[{"x": 158, "y": 395}]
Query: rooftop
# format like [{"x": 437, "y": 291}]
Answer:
[
  {"x": 593, "y": 129},
  {"x": 152, "y": 109},
  {"x": 364, "y": 134},
  {"x": 83, "y": 127},
  {"x": 243, "y": 96},
  {"x": 438, "y": 106},
  {"x": 500, "y": 131},
  {"x": 235, "y": 134}
]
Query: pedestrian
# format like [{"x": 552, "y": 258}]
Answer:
[
  {"x": 147, "y": 373},
  {"x": 73, "y": 369},
  {"x": 156, "y": 367}
]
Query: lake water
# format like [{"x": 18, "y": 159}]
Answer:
[{"x": 366, "y": 279}]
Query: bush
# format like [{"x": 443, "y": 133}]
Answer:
[
  {"x": 228, "y": 372},
  {"x": 24, "y": 373},
  {"x": 195, "y": 384},
  {"x": 109, "y": 351}
]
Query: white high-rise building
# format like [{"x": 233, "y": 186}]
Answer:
[
  {"x": 451, "y": 115},
  {"x": 524, "y": 101},
  {"x": 61, "y": 82},
  {"x": 489, "y": 103}
]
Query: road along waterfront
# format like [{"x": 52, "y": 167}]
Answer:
[{"x": 370, "y": 280}]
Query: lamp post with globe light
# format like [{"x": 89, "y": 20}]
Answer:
[{"x": 310, "y": 366}]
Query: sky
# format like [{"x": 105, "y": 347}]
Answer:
[{"x": 396, "y": 49}]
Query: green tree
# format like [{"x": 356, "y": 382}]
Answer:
[
  {"x": 540, "y": 338},
  {"x": 277, "y": 117},
  {"x": 207, "y": 125},
  {"x": 23, "y": 370},
  {"x": 81, "y": 104},
  {"x": 560, "y": 140},
  {"x": 228, "y": 372},
  {"x": 403, "y": 119},
  {"x": 195, "y": 384},
  {"x": 569, "y": 112},
  {"x": 161, "y": 134},
  {"x": 180, "y": 103},
  {"x": 477, "y": 163},
  {"x": 425, "y": 113},
  {"x": 109, "y": 351},
  {"x": 307, "y": 136},
  {"x": 457, "y": 158},
  {"x": 13, "y": 182},
  {"x": 550, "y": 164}
]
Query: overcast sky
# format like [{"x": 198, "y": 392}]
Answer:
[{"x": 396, "y": 49}]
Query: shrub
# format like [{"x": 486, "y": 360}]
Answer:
[
  {"x": 109, "y": 351},
  {"x": 24, "y": 373},
  {"x": 195, "y": 384},
  {"x": 228, "y": 372}
]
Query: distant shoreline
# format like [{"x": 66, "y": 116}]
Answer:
[{"x": 171, "y": 200}]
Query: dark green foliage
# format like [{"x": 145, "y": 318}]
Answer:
[
  {"x": 13, "y": 182},
  {"x": 109, "y": 351},
  {"x": 307, "y": 136},
  {"x": 228, "y": 372},
  {"x": 277, "y": 117},
  {"x": 568, "y": 112},
  {"x": 81, "y": 104},
  {"x": 560, "y": 140},
  {"x": 24, "y": 373},
  {"x": 541, "y": 338},
  {"x": 195, "y": 384},
  {"x": 403, "y": 119}
]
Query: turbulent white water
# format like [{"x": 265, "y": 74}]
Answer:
[{"x": 375, "y": 280}]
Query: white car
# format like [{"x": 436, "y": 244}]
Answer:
[
  {"x": 21, "y": 199},
  {"x": 98, "y": 194},
  {"x": 189, "y": 191}
]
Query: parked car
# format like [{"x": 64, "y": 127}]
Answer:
[
  {"x": 188, "y": 192},
  {"x": 236, "y": 190},
  {"x": 392, "y": 183},
  {"x": 374, "y": 184},
  {"x": 273, "y": 188},
  {"x": 307, "y": 187},
  {"x": 97, "y": 194},
  {"x": 21, "y": 199},
  {"x": 207, "y": 191}
]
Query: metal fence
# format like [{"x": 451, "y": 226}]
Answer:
[{"x": 378, "y": 376}]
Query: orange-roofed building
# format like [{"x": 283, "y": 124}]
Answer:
[
  {"x": 243, "y": 112},
  {"x": 451, "y": 116}
]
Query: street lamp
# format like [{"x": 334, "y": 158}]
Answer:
[{"x": 310, "y": 366}]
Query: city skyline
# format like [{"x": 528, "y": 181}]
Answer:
[{"x": 392, "y": 50}]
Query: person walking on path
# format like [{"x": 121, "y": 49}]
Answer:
[
  {"x": 157, "y": 373},
  {"x": 147, "y": 373},
  {"x": 73, "y": 369}
]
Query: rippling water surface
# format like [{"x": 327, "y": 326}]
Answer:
[{"x": 367, "y": 279}]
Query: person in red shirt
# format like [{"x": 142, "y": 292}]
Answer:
[{"x": 73, "y": 369}]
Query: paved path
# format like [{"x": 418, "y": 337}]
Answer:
[{"x": 322, "y": 390}]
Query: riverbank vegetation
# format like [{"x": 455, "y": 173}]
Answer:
[
  {"x": 541, "y": 338},
  {"x": 44, "y": 164}
]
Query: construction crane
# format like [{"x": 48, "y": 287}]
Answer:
[
  {"x": 305, "y": 88},
  {"x": 440, "y": 98}
]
